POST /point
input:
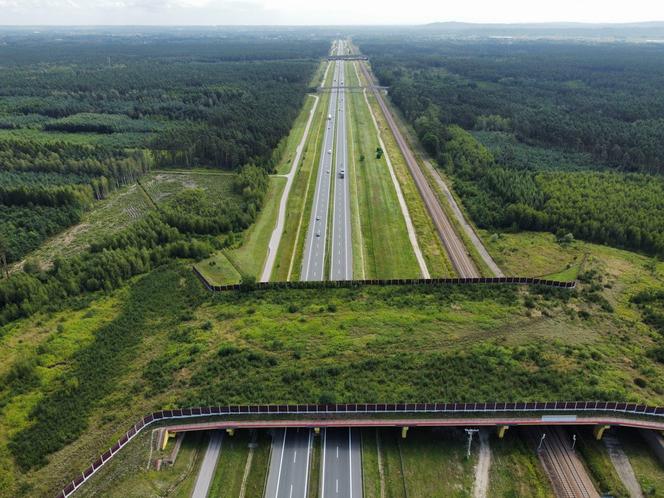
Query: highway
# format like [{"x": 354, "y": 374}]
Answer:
[
  {"x": 208, "y": 466},
  {"x": 313, "y": 260},
  {"x": 333, "y": 159},
  {"x": 288, "y": 475},
  {"x": 454, "y": 246},
  {"x": 341, "y": 260},
  {"x": 341, "y": 465}
]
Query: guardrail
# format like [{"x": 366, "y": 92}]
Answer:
[
  {"x": 608, "y": 407},
  {"x": 328, "y": 284}
]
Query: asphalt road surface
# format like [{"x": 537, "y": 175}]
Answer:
[
  {"x": 208, "y": 466},
  {"x": 341, "y": 258},
  {"x": 313, "y": 260},
  {"x": 341, "y": 466},
  {"x": 289, "y": 464}
]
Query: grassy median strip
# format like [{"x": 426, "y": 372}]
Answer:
[
  {"x": 227, "y": 479},
  {"x": 435, "y": 464},
  {"x": 388, "y": 251},
  {"x": 436, "y": 258},
  {"x": 289, "y": 256},
  {"x": 370, "y": 466},
  {"x": 515, "y": 469}
]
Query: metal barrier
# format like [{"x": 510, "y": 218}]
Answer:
[
  {"x": 605, "y": 407},
  {"x": 329, "y": 284}
]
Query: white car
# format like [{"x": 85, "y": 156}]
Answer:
[{"x": 329, "y": 151}]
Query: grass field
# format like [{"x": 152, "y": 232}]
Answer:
[
  {"x": 259, "y": 465},
  {"x": 386, "y": 249},
  {"x": 110, "y": 215},
  {"x": 162, "y": 184},
  {"x": 432, "y": 248},
  {"x": 391, "y": 457},
  {"x": 289, "y": 255},
  {"x": 516, "y": 470},
  {"x": 435, "y": 464}
]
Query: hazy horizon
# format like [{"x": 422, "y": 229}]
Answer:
[{"x": 303, "y": 13}]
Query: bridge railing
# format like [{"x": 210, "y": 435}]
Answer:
[
  {"x": 604, "y": 407},
  {"x": 328, "y": 284}
]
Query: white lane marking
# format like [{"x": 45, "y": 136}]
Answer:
[
  {"x": 322, "y": 488},
  {"x": 281, "y": 461},
  {"x": 291, "y": 491},
  {"x": 350, "y": 461},
  {"x": 337, "y": 452},
  {"x": 306, "y": 473},
  {"x": 295, "y": 456},
  {"x": 337, "y": 486}
]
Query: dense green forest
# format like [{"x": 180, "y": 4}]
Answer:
[
  {"x": 575, "y": 145},
  {"x": 220, "y": 102}
]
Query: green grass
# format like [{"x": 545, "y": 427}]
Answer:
[
  {"x": 249, "y": 258},
  {"x": 432, "y": 249},
  {"x": 219, "y": 270},
  {"x": 227, "y": 479},
  {"x": 516, "y": 470},
  {"x": 370, "y": 469},
  {"x": 392, "y": 463},
  {"x": 163, "y": 184},
  {"x": 596, "y": 458},
  {"x": 648, "y": 469},
  {"x": 259, "y": 466},
  {"x": 314, "y": 469},
  {"x": 289, "y": 255},
  {"x": 435, "y": 464},
  {"x": 387, "y": 251}
]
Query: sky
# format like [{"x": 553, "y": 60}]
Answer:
[{"x": 318, "y": 12}]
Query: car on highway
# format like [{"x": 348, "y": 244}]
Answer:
[
  {"x": 317, "y": 234},
  {"x": 329, "y": 151},
  {"x": 329, "y": 116},
  {"x": 342, "y": 173}
]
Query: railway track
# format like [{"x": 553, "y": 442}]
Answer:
[
  {"x": 567, "y": 473},
  {"x": 456, "y": 250}
]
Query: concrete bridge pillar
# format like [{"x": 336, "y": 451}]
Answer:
[
  {"x": 598, "y": 431},
  {"x": 165, "y": 435},
  {"x": 404, "y": 431},
  {"x": 501, "y": 430}
]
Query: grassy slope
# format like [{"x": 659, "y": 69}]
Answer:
[
  {"x": 516, "y": 470},
  {"x": 432, "y": 249},
  {"x": 387, "y": 249},
  {"x": 289, "y": 255},
  {"x": 392, "y": 463},
  {"x": 227, "y": 479},
  {"x": 648, "y": 469},
  {"x": 601, "y": 469},
  {"x": 435, "y": 463}
]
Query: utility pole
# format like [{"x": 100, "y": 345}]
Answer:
[
  {"x": 471, "y": 433},
  {"x": 541, "y": 441}
]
